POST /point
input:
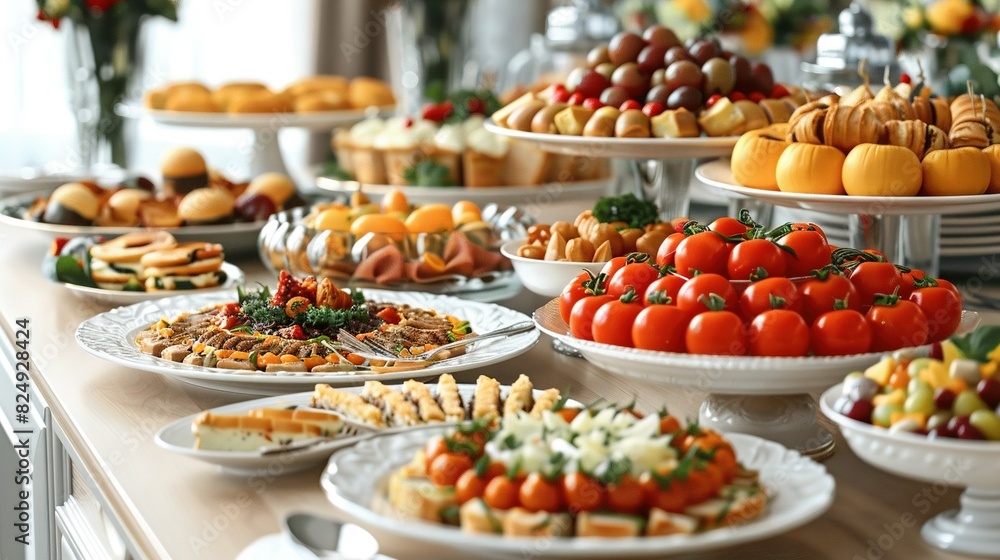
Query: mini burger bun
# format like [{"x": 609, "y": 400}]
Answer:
[
  {"x": 182, "y": 162},
  {"x": 205, "y": 206},
  {"x": 72, "y": 204},
  {"x": 336, "y": 84},
  {"x": 224, "y": 95},
  {"x": 365, "y": 92},
  {"x": 124, "y": 205},
  {"x": 275, "y": 186},
  {"x": 259, "y": 102}
]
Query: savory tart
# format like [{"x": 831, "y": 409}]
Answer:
[
  {"x": 295, "y": 330},
  {"x": 262, "y": 427},
  {"x": 572, "y": 472}
]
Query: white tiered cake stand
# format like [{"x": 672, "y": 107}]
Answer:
[
  {"x": 906, "y": 229},
  {"x": 266, "y": 152}
]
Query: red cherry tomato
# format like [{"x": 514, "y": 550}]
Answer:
[
  {"x": 872, "y": 278},
  {"x": 661, "y": 327},
  {"x": 811, "y": 252},
  {"x": 638, "y": 276},
  {"x": 668, "y": 247},
  {"x": 819, "y": 294},
  {"x": 897, "y": 324},
  {"x": 693, "y": 295},
  {"x": 840, "y": 332},
  {"x": 754, "y": 259},
  {"x": 942, "y": 308},
  {"x": 942, "y": 283},
  {"x": 613, "y": 266},
  {"x": 539, "y": 494},
  {"x": 667, "y": 286},
  {"x": 778, "y": 332},
  {"x": 705, "y": 252},
  {"x": 767, "y": 294},
  {"x": 583, "y": 493},
  {"x": 572, "y": 293},
  {"x": 730, "y": 227},
  {"x": 613, "y": 320},
  {"x": 581, "y": 319},
  {"x": 626, "y": 496},
  {"x": 720, "y": 333},
  {"x": 910, "y": 280}
]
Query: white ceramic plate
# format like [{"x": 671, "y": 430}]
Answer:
[
  {"x": 355, "y": 481},
  {"x": 526, "y": 195},
  {"x": 718, "y": 174},
  {"x": 323, "y": 120},
  {"x": 279, "y": 546},
  {"x": 177, "y": 436},
  {"x": 234, "y": 277},
  {"x": 724, "y": 375},
  {"x": 111, "y": 336},
  {"x": 545, "y": 278},
  {"x": 14, "y": 181},
  {"x": 627, "y": 148},
  {"x": 236, "y": 238}
]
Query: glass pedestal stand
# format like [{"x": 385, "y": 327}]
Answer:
[
  {"x": 787, "y": 419},
  {"x": 912, "y": 240}
]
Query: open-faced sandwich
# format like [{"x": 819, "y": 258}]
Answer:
[
  {"x": 262, "y": 427},
  {"x": 588, "y": 473},
  {"x": 295, "y": 330},
  {"x": 415, "y": 403}
]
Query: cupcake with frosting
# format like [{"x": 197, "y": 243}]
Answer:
[
  {"x": 446, "y": 147},
  {"x": 402, "y": 142},
  {"x": 366, "y": 162},
  {"x": 484, "y": 156}
]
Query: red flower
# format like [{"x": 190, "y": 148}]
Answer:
[
  {"x": 100, "y": 6},
  {"x": 41, "y": 16}
]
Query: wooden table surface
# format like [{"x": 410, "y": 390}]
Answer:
[{"x": 176, "y": 507}]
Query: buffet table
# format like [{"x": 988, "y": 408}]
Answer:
[{"x": 116, "y": 494}]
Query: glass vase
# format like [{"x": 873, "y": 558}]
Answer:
[{"x": 102, "y": 61}]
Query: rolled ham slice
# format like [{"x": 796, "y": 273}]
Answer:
[
  {"x": 464, "y": 257},
  {"x": 383, "y": 266}
]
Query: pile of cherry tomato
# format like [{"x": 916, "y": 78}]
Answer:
[{"x": 734, "y": 288}]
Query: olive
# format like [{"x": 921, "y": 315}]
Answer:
[
  {"x": 703, "y": 50},
  {"x": 624, "y": 47},
  {"x": 657, "y": 77},
  {"x": 597, "y": 55},
  {"x": 662, "y": 36},
  {"x": 605, "y": 69},
  {"x": 592, "y": 84},
  {"x": 688, "y": 97},
  {"x": 614, "y": 96},
  {"x": 744, "y": 75},
  {"x": 719, "y": 77},
  {"x": 660, "y": 94},
  {"x": 763, "y": 78},
  {"x": 674, "y": 54},
  {"x": 682, "y": 73},
  {"x": 629, "y": 77},
  {"x": 650, "y": 58}
]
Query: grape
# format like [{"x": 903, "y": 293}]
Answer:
[
  {"x": 860, "y": 388},
  {"x": 629, "y": 77},
  {"x": 940, "y": 432},
  {"x": 968, "y": 431},
  {"x": 905, "y": 425},
  {"x": 859, "y": 410},
  {"x": 574, "y": 77},
  {"x": 597, "y": 55},
  {"x": 651, "y": 58},
  {"x": 882, "y": 414},
  {"x": 703, "y": 50},
  {"x": 614, "y": 96},
  {"x": 591, "y": 84},
  {"x": 917, "y": 385},
  {"x": 987, "y": 423},
  {"x": 744, "y": 76},
  {"x": 967, "y": 402},
  {"x": 683, "y": 73},
  {"x": 763, "y": 78},
  {"x": 918, "y": 365},
  {"x": 657, "y": 77},
  {"x": 624, "y": 47},
  {"x": 686, "y": 97},
  {"x": 989, "y": 390},
  {"x": 675, "y": 54},
  {"x": 944, "y": 398},
  {"x": 605, "y": 69},
  {"x": 938, "y": 419},
  {"x": 921, "y": 402},
  {"x": 719, "y": 77},
  {"x": 662, "y": 36},
  {"x": 660, "y": 94}
]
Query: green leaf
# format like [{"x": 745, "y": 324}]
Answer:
[
  {"x": 69, "y": 271},
  {"x": 626, "y": 208},
  {"x": 428, "y": 173},
  {"x": 978, "y": 344}
]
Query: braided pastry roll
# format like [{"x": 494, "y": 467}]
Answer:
[
  {"x": 917, "y": 136},
  {"x": 846, "y": 127}
]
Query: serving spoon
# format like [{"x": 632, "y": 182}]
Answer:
[{"x": 329, "y": 539}]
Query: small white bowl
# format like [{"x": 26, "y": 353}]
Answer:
[{"x": 545, "y": 278}]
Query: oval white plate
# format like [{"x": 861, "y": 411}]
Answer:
[
  {"x": 718, "y": 174},
  {"x": 355, "y": 482},
  {"x": 526, "y": 195},
  {"x": 628, "y": 148},
  {"x": 724, "y": 375},
  {"x": 237, "y": 238},
  {"x": 279, "y": 545},
  {"x": 321, "y": 120},
  {"x": 545, "y": 278},
  {"x": 234, "y": 277},
  {"x": 111, "y": 336},
  {"x": 178, "y": 438}
]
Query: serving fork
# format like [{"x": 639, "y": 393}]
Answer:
[{"x": 372, "y": 351}]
